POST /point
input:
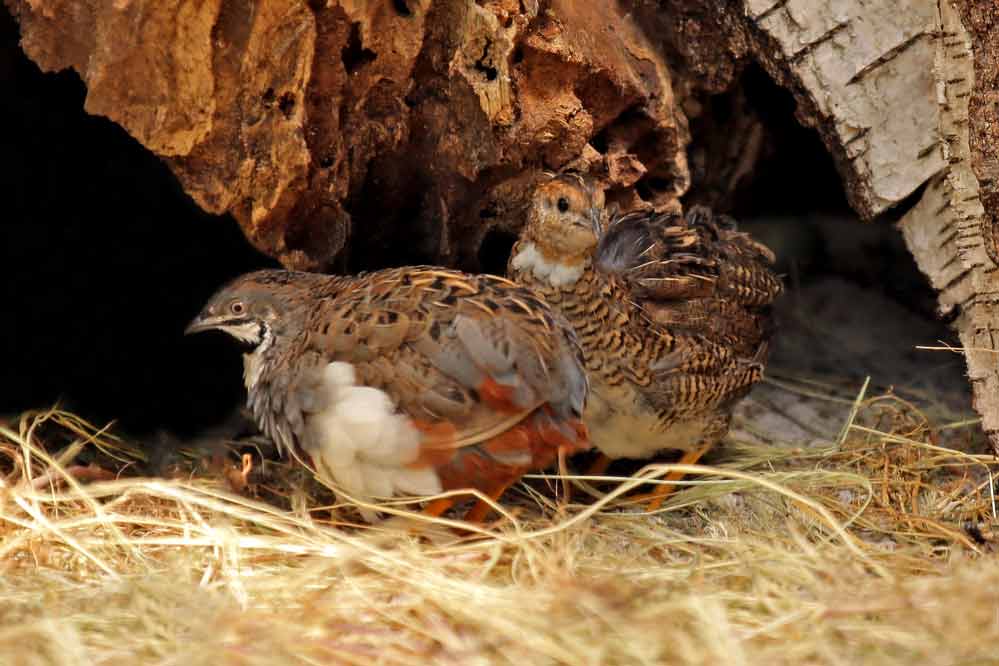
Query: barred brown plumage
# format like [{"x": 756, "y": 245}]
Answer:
[
  {"x": 673, "y": 314},
  {"x": 407, "y": 381}
]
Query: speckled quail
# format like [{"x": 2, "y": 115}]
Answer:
[
  {"x": 407, "y": 381},
  {"x": 673, "y": 314}
]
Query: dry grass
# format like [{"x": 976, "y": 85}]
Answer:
[{"x": 875, "y": 548}]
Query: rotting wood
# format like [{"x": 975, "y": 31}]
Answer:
[
  {"x": 946, "y": 229},
  {"x": 410, "y": 127},
  {"x": 414, "y": 128}
]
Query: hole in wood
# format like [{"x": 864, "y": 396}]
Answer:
[
  {"x": 354, "y": 55},
  {"x": 287, "y": 104},
  {"x": 482, "y": 64},
  {"x": 495, "y": 251},
  {"x": 402, "y": 7}
]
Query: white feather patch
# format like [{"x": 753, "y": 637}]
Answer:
[
  {"x": 356, "y": 437},
  {"x": 253, "y": 363},
  {"x": 559, "y": 275}
]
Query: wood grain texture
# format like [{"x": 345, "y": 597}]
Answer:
[{"x": 411, "y": 125}]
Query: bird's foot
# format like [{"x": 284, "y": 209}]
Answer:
[{"x": 656, "y": 498}]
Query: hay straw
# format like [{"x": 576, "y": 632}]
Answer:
[{"x": 874, "y": 548}]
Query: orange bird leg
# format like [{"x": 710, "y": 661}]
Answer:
[
  {"x": 662, "y": 491},
  {"x": 437, "y": 507},
  {"x": 599, "y": 465},
  {"x": 482, "y": 508}
]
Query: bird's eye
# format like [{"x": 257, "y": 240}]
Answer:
[
  {"x": 563, "y": 204},
  {"x": 237, "y": 307}
]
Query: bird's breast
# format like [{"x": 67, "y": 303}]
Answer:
[{"x": 621, "y": 425}]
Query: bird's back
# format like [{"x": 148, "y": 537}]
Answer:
[
  {"x": 706, "y": 288},
  {"x": 695, "y": 275}
]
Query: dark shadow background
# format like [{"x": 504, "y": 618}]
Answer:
[{"x": 105, "y": 259}]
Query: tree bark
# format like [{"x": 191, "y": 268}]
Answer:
[
  {"x": 405, "y": 124},
  {"x": 888, "y": 84},
  {"x": 399, "y": 131},
  {"x": 952, "y": 229}
]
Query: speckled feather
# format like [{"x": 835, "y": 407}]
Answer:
[
  {"x": 673, "y": 315},
  {"x": 483, "y": 370},
  {"x": 696, "y": 274}
]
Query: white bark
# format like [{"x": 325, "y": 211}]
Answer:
[
  {"x": 887, "y": 84},
  {"x": 944, "y": 230},
  {"x": 863, "y": 73}
]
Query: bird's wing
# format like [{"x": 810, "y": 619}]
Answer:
[
  {"x": 473, "y": 361},
  {"x": 696, "y": 274}
]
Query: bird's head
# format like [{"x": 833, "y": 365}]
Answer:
[
  {"x": 254, "y": 308},
  {"x": 565, "y": 217}
]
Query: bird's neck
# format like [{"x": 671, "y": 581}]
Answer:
[
  {"x": 256, "y": 360},
  {"x": 539, "y": 262},
  {"x": 267, "y": 377}
]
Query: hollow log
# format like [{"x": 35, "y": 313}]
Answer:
[{"x": 355, "y": 133}]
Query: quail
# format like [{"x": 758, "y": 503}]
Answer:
[
  {"x": 673, "y": 314},
  {"x": 407, "y": 381}
]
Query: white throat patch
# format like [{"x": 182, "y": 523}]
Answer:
[
  {"x": 558, "y": 275},
  {"x": 253, "y": 363}
]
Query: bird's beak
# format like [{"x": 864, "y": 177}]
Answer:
[
  {"x": 596, "y": 220},
  {"x": 197, "y": 325}
]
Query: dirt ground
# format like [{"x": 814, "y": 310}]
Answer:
[{"x": 833, "y": 335}]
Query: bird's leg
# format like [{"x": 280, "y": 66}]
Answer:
[
  {"x": 599, "y": 466},
  {"x": 563, "y": 471},
  {"x": 481, "y": 508},
  {"x": 658, "y": 496},
  {"x": 437, "y": 507},
  {"x": 239, "y": 479}
]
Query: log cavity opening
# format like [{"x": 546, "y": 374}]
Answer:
[
  {"x": 793, "y": 199},
  {"x": 495, "y": 251},
  {"x": 856, "y": 304},
  {"x": 105, "y": 259}
]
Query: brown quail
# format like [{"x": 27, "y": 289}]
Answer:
[
  {"x": 407, "y": 381},
  {"x": 673, "y": 314}
]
